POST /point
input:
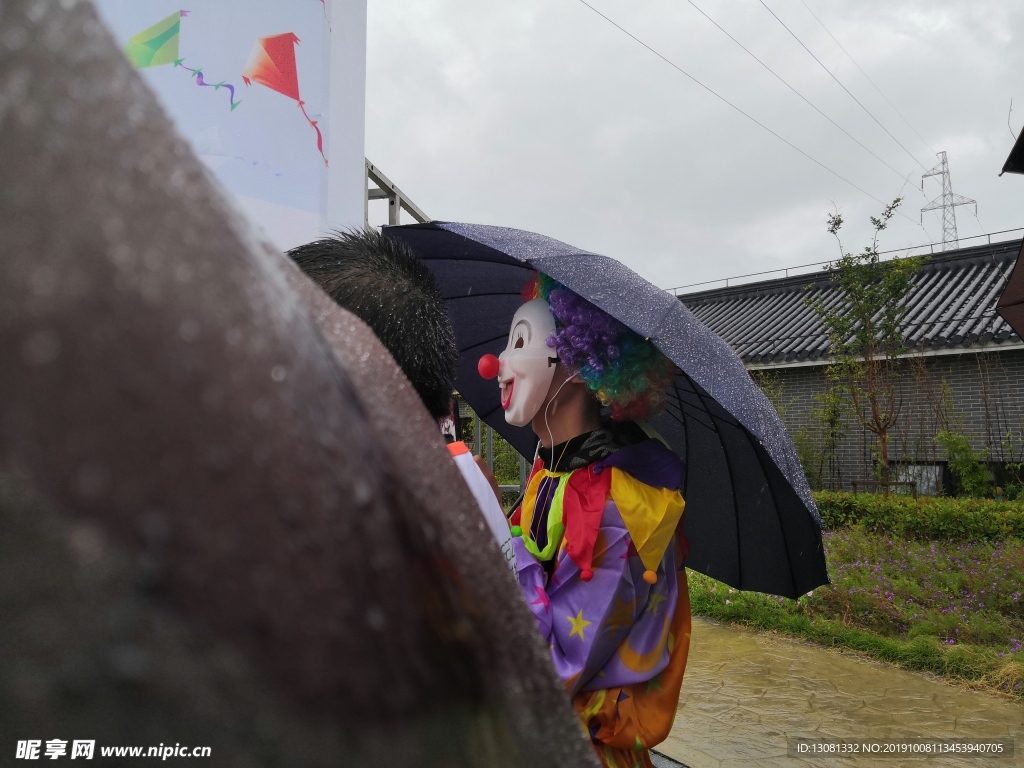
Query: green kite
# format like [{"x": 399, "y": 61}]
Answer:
[{"x": 157, "y": 44}]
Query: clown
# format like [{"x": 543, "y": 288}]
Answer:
[{"x": 598, "y": 535}]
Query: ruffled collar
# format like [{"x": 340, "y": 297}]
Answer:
[{"x": 591, "y": 447}]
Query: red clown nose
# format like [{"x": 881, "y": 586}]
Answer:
[{"x": 487, "y": 367}]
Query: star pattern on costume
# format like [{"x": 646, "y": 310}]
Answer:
[
  {"x": 542, "y": 599},
  {"x": 621, "y": 698},
  {"x": 654, "y": 603},
  {"x": 631, "y": 550},
  {"x": 578, "y": 625},
  {"x": 654, "y": 684},
  {"x": 621, "y": 616}
]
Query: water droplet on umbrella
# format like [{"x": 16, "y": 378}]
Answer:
[
  {"x": 40, "y": 348},
  {"x": 90, "y": 481},
  {"x": 375, "y": 618},
  {"x": 361, "y": 492},
  {"x": 188, "y": 330}
]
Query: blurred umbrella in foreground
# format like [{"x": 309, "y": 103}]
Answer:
[
  {"x": 1011, "y": 302},
  {"x": 225, "y": 517},
  {"x": 750, "y": 517}
]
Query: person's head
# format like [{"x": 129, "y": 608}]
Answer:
[
  {"x": 561, "y": 343},
  {"x": 381, "y": 281}
]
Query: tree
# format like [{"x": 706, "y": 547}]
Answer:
[{"x": 865, "y": 329}]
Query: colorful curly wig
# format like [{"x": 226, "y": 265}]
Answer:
[{"x": 626, "y": 373}]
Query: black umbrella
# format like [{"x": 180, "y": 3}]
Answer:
[
  {"x": 750, "y": 517},
  {"x": 1011, "y": 301}
]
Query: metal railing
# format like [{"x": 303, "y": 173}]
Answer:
[
  {"x": 857, "y": 484},
  {"x": 483, "y": 445}
]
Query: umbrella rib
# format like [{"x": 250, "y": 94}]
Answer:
[
  {"x": 782, "y": 528},
  {"x": 485, "y": 341},
  {"x": 485, "y": 416},
  {"x": 686, "y": 459},
  {"x": 735, "y": 497},
  {"x": 517, "y": 264},
  {"x": 457, "y": 297},
  {"x": 694, "y": 418}
]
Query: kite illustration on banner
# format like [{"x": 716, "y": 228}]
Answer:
[
  {"x": 324, "y": 4},
  {"x": 158, "y": 45},
  {"x": 272, "y": 63}
]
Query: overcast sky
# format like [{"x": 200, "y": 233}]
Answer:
[{"x": 540, "y": 114}]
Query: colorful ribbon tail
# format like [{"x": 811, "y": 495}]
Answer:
[{"x": 319, "y": 136}]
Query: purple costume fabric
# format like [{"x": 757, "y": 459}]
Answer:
[
  {"x": 610, "y": 631},
  {"x": 650, "y": 462},
  {"x": 585, "y": 623}
]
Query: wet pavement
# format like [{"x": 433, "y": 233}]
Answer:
[{"x": 745, "y": 693}]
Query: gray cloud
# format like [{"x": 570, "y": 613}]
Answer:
[{"x": 542, "y": 115}]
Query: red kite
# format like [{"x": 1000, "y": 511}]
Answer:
[{"x": 272, "y": 63}]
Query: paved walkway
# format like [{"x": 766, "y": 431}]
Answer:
[{"x": 745, "y": 693}]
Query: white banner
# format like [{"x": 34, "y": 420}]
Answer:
[{"x": 270, "y": 93}]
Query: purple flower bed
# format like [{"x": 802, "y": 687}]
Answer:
[{"x": 956, "y": 592}]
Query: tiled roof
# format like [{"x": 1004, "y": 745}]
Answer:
[{"x": 951, "y": 306}]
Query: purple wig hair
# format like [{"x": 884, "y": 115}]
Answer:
[{"x": 626, "y": 373}]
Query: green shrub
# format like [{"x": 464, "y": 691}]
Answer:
[
  {"x": 966, "y": 465},
  {"x": 925, "y": 518}
]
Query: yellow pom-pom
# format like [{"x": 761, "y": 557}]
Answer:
[{"x": 650, "y": 577}]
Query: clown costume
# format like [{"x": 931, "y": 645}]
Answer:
[{"x": 598, "y": 534}]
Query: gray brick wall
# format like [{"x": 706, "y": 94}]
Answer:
[{"x": 978, "y": 394}]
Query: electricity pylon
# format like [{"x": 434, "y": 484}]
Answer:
[{"x": 948, "y": 203}]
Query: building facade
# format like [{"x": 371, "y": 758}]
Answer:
[{"x": 962, "y": 373}]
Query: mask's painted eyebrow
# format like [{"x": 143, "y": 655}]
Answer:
[{"x": 522, "y": 324}]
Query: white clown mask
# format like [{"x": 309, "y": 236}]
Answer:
[{"x": 527, "y": 365}]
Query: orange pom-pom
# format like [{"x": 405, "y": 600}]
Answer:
[
  {"x": 586, "y": 574},
  {"x": 650, "y": 577}
]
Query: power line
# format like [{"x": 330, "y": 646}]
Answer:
[
  {"x": 794, "y": 90},
  {"x": 881, "y": 93},
  {"x": 725, "y": 100},
  {"x": 840, "y": 84},
  {"x": 920, "y": 223}
]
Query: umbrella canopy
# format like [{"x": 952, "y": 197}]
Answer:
[
  {"x": 1011, "y": 302},
  {"x": 1015, "y": 160},
  {"x": 750, "y": 517}
]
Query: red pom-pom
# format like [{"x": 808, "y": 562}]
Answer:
[
  {"x": 586, "y": 574},
  {"x": 487, "y": 367},
  {"x": 650, "y": 577}
]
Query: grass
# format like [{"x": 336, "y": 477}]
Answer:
[{"x": 952, "y": 608}]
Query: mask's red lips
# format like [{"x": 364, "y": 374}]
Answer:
[{"x": 506, "y": 394}]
